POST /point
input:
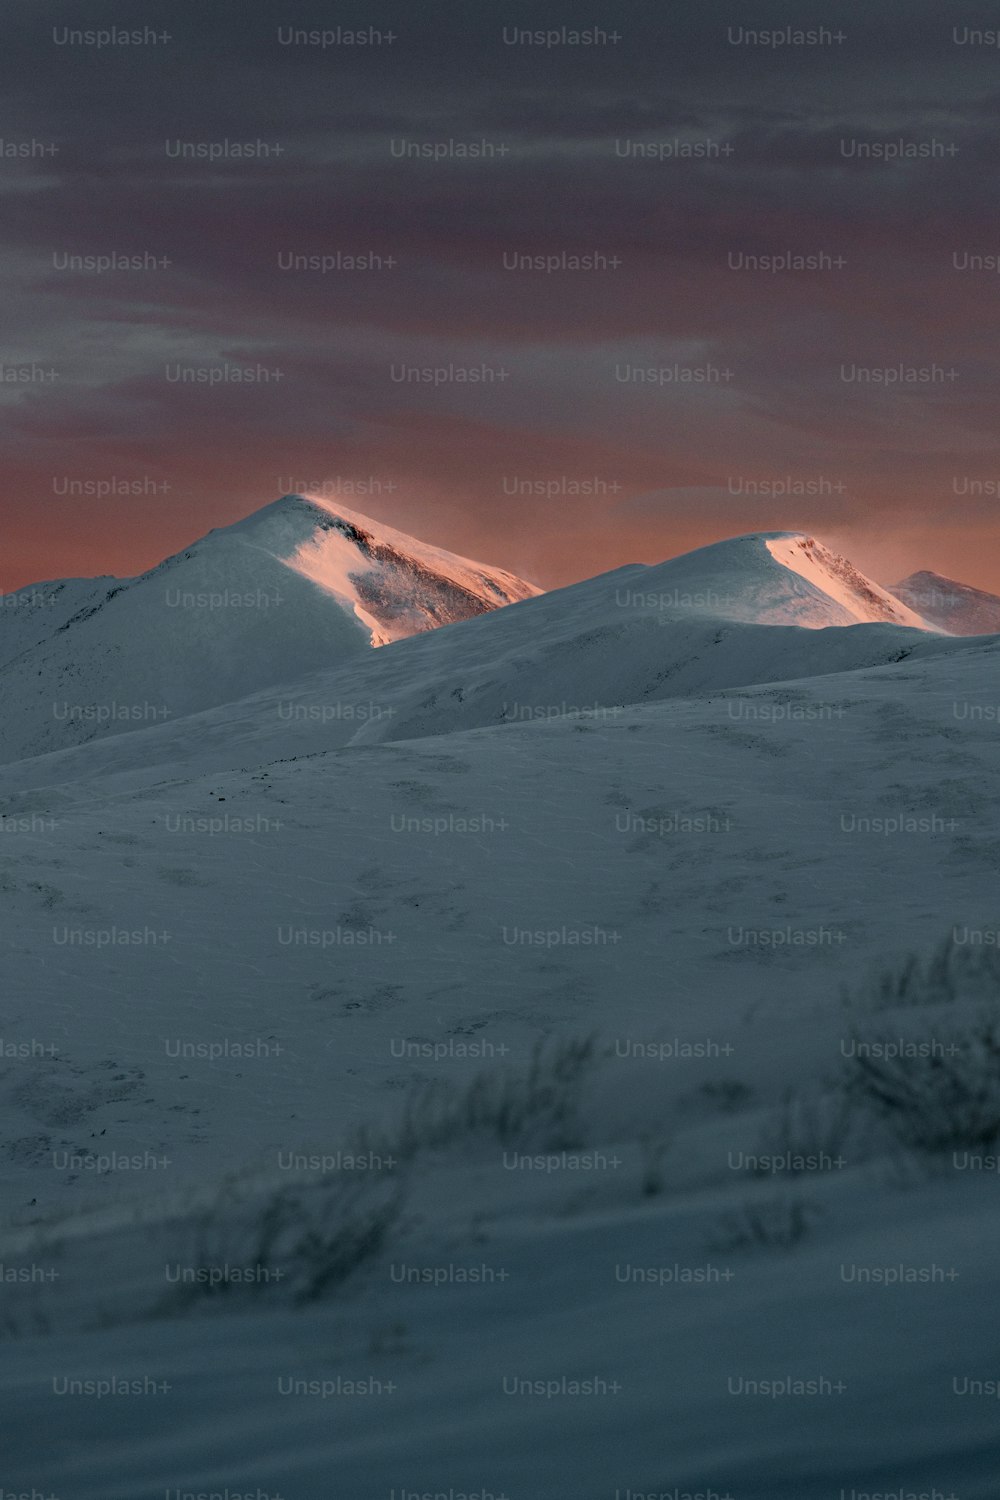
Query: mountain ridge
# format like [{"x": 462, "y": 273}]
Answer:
[{"x": 713, "y": 620}]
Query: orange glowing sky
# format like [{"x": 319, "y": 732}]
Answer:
[{"x": 104, "y": 374}]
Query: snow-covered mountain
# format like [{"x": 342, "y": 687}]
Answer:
[
  {"x": 956, "y": 607},
  {"x": 720, "y": 617},
  {"x": 685, "y": 812},
  {"x": 842, "y": 588},
  {"x": 394, "y": 585},
  {"x": 303, "y": 586},
  {"x": 299, "y": 585}
]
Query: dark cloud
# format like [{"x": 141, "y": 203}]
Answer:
[{"x": 766, "y": 151}]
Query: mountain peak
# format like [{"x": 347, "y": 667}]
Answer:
[
  {"x": 297, "y": 587},
  {"x": 395, "y": 585},
  {"x": 784, "y": 578},
  {"x": 956, "y": 607},
  {"x": 837, "y": 577}
]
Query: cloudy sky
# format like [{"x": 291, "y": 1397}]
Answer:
[{"x": 563, "y": 420}]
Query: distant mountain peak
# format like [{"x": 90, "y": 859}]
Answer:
[
  {"x": 784, "y": 578},
  {"x": 956, "y": 607}
]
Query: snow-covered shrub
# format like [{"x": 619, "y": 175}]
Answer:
[
  {"x": 775, "y": 1223},
  {"x": 298, "y": 1242},
  {"x": 953, "y": 971},
  {"x": 540, "y": 1106},
  {"x": 939, "y": 1095},
  {"x": 808, "y": 1133}
]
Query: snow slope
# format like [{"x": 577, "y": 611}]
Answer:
[
  {"x": 669, "y": 828},
  {"x": 296, "y": 586},
  {"x": 838, "y": 580},
  {"x": 397, "y": 586},
  {"x": 955, "y": 607},
  {"x": 681, "y": 808},
  {"x": 35, "y": 613},
  {"x": 428, "y": 849}
]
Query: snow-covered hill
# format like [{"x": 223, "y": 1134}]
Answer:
[
  {"x": 666, "y": 822},
  {"x": 685, "y": 811},
  {"x": 298, "y": 585},
  {"x": 955, "y": 607},
  {"x": 301, "y": 585},
  {"x": 694, "y": 625},
  {"x": 318, "y": 932}
]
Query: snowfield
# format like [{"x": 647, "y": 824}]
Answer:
[{"x": 463, "y": 1068}]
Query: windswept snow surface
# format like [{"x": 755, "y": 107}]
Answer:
[
  {"x": 33, "y": 614},
  {"x": 680, "y": 809}
]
